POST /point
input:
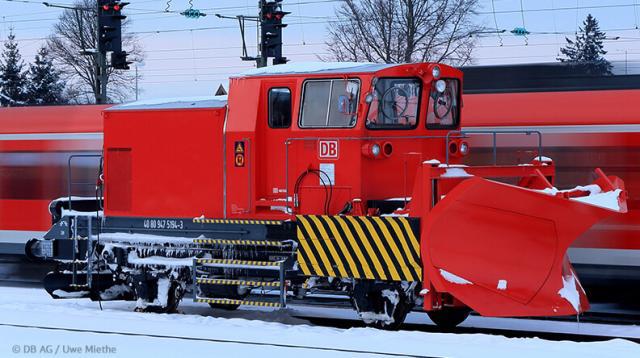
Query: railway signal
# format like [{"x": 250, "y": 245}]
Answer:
[
  {"x": 110, "y": 25},
  {"x": 119, "y": 60},
  {"x": 109, "y": 40},
  {"x": 110, "y": 32},
  {"x": 271, "y": 26}
]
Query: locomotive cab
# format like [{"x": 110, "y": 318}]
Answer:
[{"x": 335, "y": 140}]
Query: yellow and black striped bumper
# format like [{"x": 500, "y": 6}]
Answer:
[
  {"x": 362, "y": 247},
  {"x": 236, "y": 222}
]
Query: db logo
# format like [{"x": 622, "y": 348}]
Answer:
[{"x": 328, "y": 149}]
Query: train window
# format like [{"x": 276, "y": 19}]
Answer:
[
  {"x": 279, "y": 108},
  {"x": 395, "y": 103},
  {"x": 329, "y": 103},
  {"x": 444, "y": 105}
]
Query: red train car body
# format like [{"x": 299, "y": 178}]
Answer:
[
  {"x": 341, "y": 178},
  {"x": 35, "y": 146}
]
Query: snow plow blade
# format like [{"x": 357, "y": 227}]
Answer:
[{"x": 501, "y": 249}]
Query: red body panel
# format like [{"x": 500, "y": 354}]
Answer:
[{"x": 164, "y": 163}]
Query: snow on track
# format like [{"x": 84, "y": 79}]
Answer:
[
  {"x": 63, "y": 340},
  {"x": 268, "y": 334}
]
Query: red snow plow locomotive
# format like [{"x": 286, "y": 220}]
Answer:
[{"x": 321, "y": 182}]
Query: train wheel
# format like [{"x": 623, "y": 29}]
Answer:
[
  {"x": 449, "y": 318},
  {"x": 174, "y": 294},
  {"x": 381, "y": 305}
]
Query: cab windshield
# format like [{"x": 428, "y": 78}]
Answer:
[
  {"x": 394, "y": 103},
  {"x": 443, "y": 111}
]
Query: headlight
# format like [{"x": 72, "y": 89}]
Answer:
[
  {"x": 435, "y": 72},
  {"x": 369, "y": 98},
  {"x": 375, "y": 150},
  {"x": 464, "y": 148},
  {"x": 441, "y": 86}
]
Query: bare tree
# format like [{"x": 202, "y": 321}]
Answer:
[
  {"x": 75, "y": 32},
  {"x": 404, "y": 31}
]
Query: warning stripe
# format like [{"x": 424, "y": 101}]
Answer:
[
  {"x": 226, "y": 301},
  {"x": 319, "y": 252},
  {"x": 362, "y": 247},
  {"x": 360, "y": 238},
  {"x": 236, "y": 222},
  {"x": 237, "y": 262},
  {"x": 237, "y": 242},
  {"x": 221, "y": 281},
  {"x": 306, "y": 258},
  {"x": 411, "y": 256}
]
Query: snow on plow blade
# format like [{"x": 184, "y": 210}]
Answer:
[{"x": 501, "y": 249}]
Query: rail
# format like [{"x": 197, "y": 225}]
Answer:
[{"x": 458, "y": 134}]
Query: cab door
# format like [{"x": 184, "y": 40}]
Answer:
[{"x": 274, "y": 129}]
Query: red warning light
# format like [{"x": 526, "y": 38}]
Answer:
[
  {"x": 105, "y": 7},
  {"x": 116, "y": 7},
  {"x": 268, "y": 15}
]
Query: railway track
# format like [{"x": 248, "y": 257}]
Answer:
[
  {"x": 224, "y": 341},
  {"x": 335, "y": 311}
]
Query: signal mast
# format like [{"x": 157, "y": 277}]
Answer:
[{"x": 270, "y": 26}]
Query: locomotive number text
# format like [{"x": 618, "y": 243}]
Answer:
[{"x": 163, "y": 224}]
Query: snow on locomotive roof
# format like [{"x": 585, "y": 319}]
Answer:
[
  {"x": 316, "y": 67},
  {"x": 174, "y": 103}
]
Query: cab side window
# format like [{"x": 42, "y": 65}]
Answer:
[
  {"x": 279, "y": 107},
  {"x": 329, "y": 103}
]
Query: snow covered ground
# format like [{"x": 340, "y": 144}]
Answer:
[{"x": 70, "y": 326}]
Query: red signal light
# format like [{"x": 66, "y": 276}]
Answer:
[
  {"x": 278, "y": 17},
  {"x": 105, "y": 7},
  {"x": 116, "y": 7},
  {"x": 268, "y": 15}
]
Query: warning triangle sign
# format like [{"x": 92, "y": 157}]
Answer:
[{"x": 239, "y": 147}]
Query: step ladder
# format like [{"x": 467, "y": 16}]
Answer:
[
  {"x": 79, "y": 257},
  {"x": 275, "y": 270}
]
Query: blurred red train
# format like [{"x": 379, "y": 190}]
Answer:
[
  {"x": 35, "y": 146},
  {"x": 585, "y": 121}
]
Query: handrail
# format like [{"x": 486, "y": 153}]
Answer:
[
  {"x": 289, "y": 141},
  {"x": 494, "y": 133},
  {"x": 70, "y": 182}
]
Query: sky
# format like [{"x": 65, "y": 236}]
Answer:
[{"x": 192, "y": 57}]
